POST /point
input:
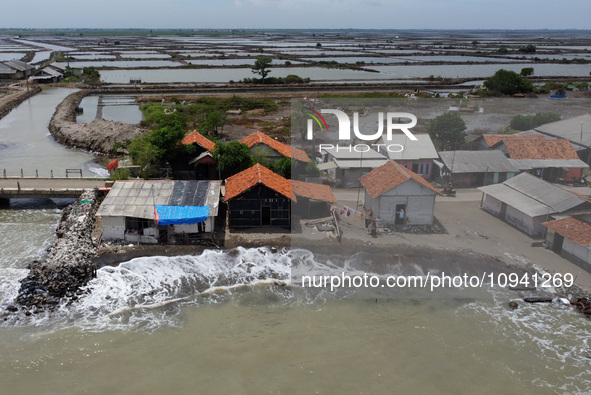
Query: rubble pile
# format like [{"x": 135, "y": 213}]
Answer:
[{"x": 68, "y": 265}]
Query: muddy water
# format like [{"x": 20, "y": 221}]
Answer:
[
  {"x": 187, "y": 325},
  {"x": 25, "y": 142}
]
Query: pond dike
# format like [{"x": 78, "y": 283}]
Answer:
[
  {"x": 68, "y": 265},
  {"x": 12, "y": 100},
  {"x": 98, "y": 136}
]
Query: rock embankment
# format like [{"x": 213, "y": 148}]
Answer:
[
  {"x": 68, "y": 265},
  {"x": 98, "y": 136},
  {"x": 11, "y": 100}
]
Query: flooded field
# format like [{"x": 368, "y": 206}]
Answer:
[{"x": 391, "y": 54}]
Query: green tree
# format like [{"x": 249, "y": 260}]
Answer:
[
  {"x": 90, "y": 75},
  {"x": 283, "y": 167},
  {"x": 527, "y": 71},
  {"x": 144, "y": 154},
  {"x": 529, "y": 48},
  {"x": 232, "y": 157},
  {"x": 448, "y": 130},
  {"x": 166, "y": 137},
  {"x": 261, "y": 66},
  {"x": 506, "y": 82},
  {"x": 214, "y": 122},
  {"x": 527, "y": 122}
]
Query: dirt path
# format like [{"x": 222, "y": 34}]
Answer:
[{"x": 468, "y": 228}]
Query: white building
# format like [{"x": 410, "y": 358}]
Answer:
[{"x": 160, "y": 211}]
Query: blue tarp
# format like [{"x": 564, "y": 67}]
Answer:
[{"x": 178, "y": 215}]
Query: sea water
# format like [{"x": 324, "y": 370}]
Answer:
[{"x": 229, "y": 321}]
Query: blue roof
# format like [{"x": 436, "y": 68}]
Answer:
[{"x": 178, "y": 215}]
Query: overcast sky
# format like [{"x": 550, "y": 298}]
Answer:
[{"x": 379, "y": 14}]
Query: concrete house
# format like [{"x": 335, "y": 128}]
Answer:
[
  {"x": 526, "y": 202},
  {"x": 392, "y": 190},
  {"x": 416, "y": 155},
  {"x": 570, "y": 237},
  {"x": 547, "y": 159},
  {"x": 264, "y": 146},
  {"x": 477, "y": 168},
  {"x": 160, "y": 211},
  {"x": 347, "y": 165}
]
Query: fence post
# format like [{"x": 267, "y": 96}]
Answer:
[
  {"x": 4, "y": 173},
  {"x": 22, "y": 173},
  {"x": 51, "y": 173},
  {"x": 36, "y": 173}
]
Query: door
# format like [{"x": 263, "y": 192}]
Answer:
[
  {"x": 400, "y": 214},
  {"x": 266, "y": 216},
  {"x": 503, "y": 210},
  {"x": 557, "y": 243}
]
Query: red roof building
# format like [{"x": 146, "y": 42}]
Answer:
[
  {"x": 258, "y": 138},
  {"x": 571, "y": 238},
  {"x": 197, "y": 138},
  {"x": 397, "y": 196}
]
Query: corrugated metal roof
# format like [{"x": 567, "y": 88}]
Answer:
[
  {"x": 19, "y": 65},
  {"x": 136, "y": 199},
  {"x": 422, "y": 148},
  {"x": 360, "y": 164},
  {"x": 533, "y": 196},
  {"x": 570, "y": 129},
  {"x": 527, "y": 164},
  {"x": 477, "y": 162},
  {"x": 4, "y": 69},
  {"x": 516, "y": 199},
  {"x": 327, "y": 166},
  {"x": 347, "y": 152}
]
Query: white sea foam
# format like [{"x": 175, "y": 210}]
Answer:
[{"x": 99, "y": 171}]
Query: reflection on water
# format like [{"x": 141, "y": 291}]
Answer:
[
  {"x": 118, "y": 108},
  {"x": 29, "y": 146}
]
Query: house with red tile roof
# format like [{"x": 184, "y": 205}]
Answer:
[
  {"x": 314, "y": 200},
  {"x": 550, "y": 160},
  {"x": 199, "y": 140},
  {"x": 487, "y": 141},
  {"x": 262, "y": 145},
  {"x": 570, "y": 237},
  {"x": 398, "y": 196},
  {"x": 203, "y": 164},
  {"x": 258, "y": 197}
]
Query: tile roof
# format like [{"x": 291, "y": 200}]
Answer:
[
  {"x": 492, "y": 139},
  {"x": 572, "y": 228},
  {"x": 197, "y": 138},
  {"x": 389, "y": 176},
  {"x": 285, "y": 150},
  {"x": 257, "y": 174},
  {"x": 313, "y": 191},
  {"x": 540, "y": 149}
]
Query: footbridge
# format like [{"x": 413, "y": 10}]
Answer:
[{"x": 33, "y": 187}]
